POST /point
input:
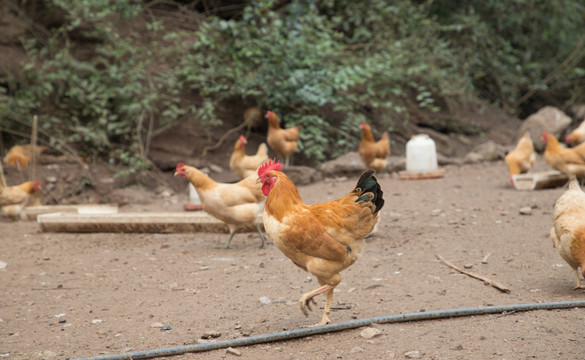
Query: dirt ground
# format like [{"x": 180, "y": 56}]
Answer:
[{"x": 69, "y": 295}]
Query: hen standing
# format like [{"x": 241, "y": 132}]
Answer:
[
  {"x": 324, "y": 238},
  {"x": 571, "y": 161},
  {"x": 282, "y": 141},
  {"x": 568, "y": 233},
  {"x": 13, "y": 199},
  {"x": 235, "y": 204},
  {"x": 373, "y": 153},
  {"x": 244, "y": 165},
  {"x": 521, "y": 159}
]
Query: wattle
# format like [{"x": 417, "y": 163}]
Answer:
[{"x": 265, "y": 189}]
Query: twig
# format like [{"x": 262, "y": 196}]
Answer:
[
  {"x": 218, "y": 144},
  {"x": 33, "y": 147},
  {"x": 493, "y": 283}
]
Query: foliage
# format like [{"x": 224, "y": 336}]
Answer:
[{"x": 309, "y": 61}]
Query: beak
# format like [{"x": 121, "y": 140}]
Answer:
[
  {"x": 258, "y": 181},
  {"x": 176, "y": 173}
]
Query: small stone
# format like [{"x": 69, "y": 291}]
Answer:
[
  {"x": 233, "y": 351},
  {"x": 210, "y": 334},
  {"x": 370, "y": 332},
  {"x": 412, "y": 355},
  {"x": 468, "y": 266},
  {"x": 157, "y": 325},
  {"x": 357, "y": 349},
  {"x": 166, "y": 328},
  {"x": 527, "y": 210},
  {"x": 96, "y": 321},
  {"x": 3, "y": 265},
  {"x": 265, "y": 300},
  {"x": 62, "y": 321}
]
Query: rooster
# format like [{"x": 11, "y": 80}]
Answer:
[
  {"x": 13, "y": 199},
  {"x": 244, "y": 165},
  {"x": 521, "y": 159},
  {"x": 282, "y": 141},
  {"x": 235, "y": 204},
  {"x": 568, "y": 233},
  {"x": 571, "y": 161},
  {"x": 373, "y": 153},
  {"x": 324, "y": 238},
  {"x": 576, "y": 136}
]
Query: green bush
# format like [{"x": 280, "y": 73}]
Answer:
[{"x": 307, "y": 60}]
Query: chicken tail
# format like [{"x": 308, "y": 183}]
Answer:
[{"x": 369, "y": 190}]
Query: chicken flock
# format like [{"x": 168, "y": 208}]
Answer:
[{"x": 326, "y": 238}]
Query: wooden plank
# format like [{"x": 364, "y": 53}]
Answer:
[
  {"x": 32, "y": 212},
  {"x": 144, "y": 222},
  {"x": 542, "y": 180}
]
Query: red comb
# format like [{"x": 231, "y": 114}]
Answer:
[
  {"x": 180, "y": 166},
  {"x": 272, "y": 164},
  {"x": 243, "y": 139}
]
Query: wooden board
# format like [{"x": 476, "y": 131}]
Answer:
[
  {"x": 144, "y": 222},
  {"x": 31, "y": 212},
  {"x": 542, "y": 180},
  {"x": 407, "y": 175}
]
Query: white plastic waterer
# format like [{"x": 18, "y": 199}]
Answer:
[{"x": 421, "y": 154}]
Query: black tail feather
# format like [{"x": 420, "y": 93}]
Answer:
[{"x": 369, "y": 184}]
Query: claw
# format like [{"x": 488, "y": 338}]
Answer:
[{"x": 306, "y": 304}]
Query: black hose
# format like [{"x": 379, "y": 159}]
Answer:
[{"x": 299, "y": 333}]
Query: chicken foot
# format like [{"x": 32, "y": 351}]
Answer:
[
  {"x": 232, "y": 233},
  {"x": 307, "y": 298},
  {"x": 579, "y": 283},
  {"x": 261, "y": 235}
]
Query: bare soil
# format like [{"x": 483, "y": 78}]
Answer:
[{"x": 69, "y": 295}]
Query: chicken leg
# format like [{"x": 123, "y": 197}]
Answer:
[
  {"x": 579, "y": 283},
  {"x": 233, "y": 232},
  {"x": 308, "y": 297}
]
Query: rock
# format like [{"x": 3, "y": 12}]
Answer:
[
  {"x": 210, "y": 334},
  {"x": 303, "y": 175},
  {"x": 347, "y": 164},
  {"x": 233, "y": 351},
  {"x": 156, "y": 325},
  {"x": 96, "y": 321},
  {"x": 412, "y": 355},
  {"x": 472, "y": 158},
  {"x": 549, "y": 119},
  {"x": 370, "y": 332},
  {"x": 3, "y": 265},
  {"x": 527, "y": 210},
  {"x": 216, "y": 168},
  {"x": 265, "y": 300},
  {"x": 487, "y": 151},
  {"x": 357, "y": 349}
]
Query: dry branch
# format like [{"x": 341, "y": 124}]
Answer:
[{"x": 493, "y": 283}]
